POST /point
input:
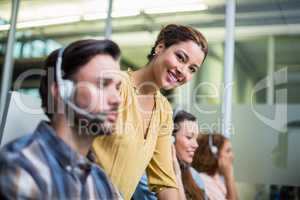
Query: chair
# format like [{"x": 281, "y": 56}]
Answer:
[{"x": 21, "y": 116}]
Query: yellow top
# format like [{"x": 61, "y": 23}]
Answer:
[{"x": 125, "y": 155}]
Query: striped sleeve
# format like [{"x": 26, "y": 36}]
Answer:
[{"x": 16, "y": 182}]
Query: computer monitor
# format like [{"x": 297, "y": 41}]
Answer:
[{"x": 21, "y": 116}]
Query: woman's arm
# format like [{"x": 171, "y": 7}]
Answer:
[
  {"x": 160, "y": 171},
  {"x": 168, "y": 193},
  {"x": 226, "y": 168},
  {"x": 231, "y": 188}
]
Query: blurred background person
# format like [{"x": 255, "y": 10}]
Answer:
[
  {"x": 185, "y": 135},
  {"x": 213, "y": 159}
]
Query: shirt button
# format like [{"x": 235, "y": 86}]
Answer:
[{"x": 69, "y": 168}]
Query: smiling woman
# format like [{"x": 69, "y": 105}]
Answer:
[
  {"x": 185, "y": 135},
  {"x": 144, "y": 122},
  {"x": 176, "y": 55},
  {"x": 186, "y": 131}
]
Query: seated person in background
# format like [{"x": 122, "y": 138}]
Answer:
[
  {"x": 51, "y": 163},
  {"x": 185, "y": 133},
  {"x": 213, "y": 159}
]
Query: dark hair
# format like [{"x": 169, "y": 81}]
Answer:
[
  {"x": 174, "y": 34},
  {"x": 204, "y": 160},
  {"x": 75, "y": 56},
  {"x": 191, "y": 188},
  {"x": 181, "y": 116}
]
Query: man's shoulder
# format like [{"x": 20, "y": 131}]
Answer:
[
  {"x": 27, "y": 141},
  {"x": 17, "y": 171},
  {"x": 12, "y": 159},
  {"x": 104, "y": 184},
  {"x": 17, "y": 145},
  {"x": 14, "y": 150}
]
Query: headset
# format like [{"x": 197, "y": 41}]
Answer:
[
  {"x": 66, "y": 89},
  {"x": 175, "y": 112},
  {"x": 213, "y": 148},
  {"x": 173, "y": 139}
]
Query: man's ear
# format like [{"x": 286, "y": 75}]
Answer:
[
  {"x": 54, "y": 91},
  {"x": 159, "y": 48}
]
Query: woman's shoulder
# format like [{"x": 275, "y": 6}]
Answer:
[
  {"x": 125, "y": 81},
  {"x": 205, "y": 177},
  {"x": 165, "y": 110},
  {"x": 125, "y": 77},
  {"x": 164, "y": 102},
  {"x": 196, "y": 176}
]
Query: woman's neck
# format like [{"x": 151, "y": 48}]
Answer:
[{"x": 144, "y": 80}]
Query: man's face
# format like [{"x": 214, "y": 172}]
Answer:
[{"x": 97, "y": 91}]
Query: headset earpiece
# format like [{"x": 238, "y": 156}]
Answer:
[
  {"x": 214, "y": 150},
  {"x": 212, "y": 147},
  {"x": 173, "y": 139},
  {"x": 66, "y": 89},
  {"x": 65, "y": 86}
]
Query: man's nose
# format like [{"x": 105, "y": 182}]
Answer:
[{"x": 115, "y": 98}]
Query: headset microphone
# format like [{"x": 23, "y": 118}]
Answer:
[{"x": 66, "y": 88}]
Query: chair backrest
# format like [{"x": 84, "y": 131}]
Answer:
[{"x": 21, "y": 116}]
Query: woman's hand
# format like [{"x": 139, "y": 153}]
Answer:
[
  {"x": 225, "y": 165},
  {"x": 226, "y": 169}
]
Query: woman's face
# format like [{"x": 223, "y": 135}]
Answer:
[
  {"x": 186, "y": 140},
  {"x": 176, "y": 65},
  {"x": 226, "y": 151}
]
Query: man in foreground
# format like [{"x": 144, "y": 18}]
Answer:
[{"x": 80, "y": 96}]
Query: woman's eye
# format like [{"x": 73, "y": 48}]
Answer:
[
  {"x": 180, "y": 57},
  {"x": 192, "y": 69}
]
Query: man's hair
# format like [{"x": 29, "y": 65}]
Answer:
[{"x": 75, "y": 56}]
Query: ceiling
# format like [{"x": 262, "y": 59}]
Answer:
[
  {"x": 256, "y": 20},
  {"x": 79, "y": 18}
]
